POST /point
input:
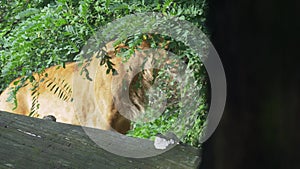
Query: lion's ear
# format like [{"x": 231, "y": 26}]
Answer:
[{"x": 144, "y": 45}]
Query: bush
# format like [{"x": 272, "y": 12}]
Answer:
[{"x": 37, "y": 34}]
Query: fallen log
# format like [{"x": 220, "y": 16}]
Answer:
[{"x": 27, "y": 142}]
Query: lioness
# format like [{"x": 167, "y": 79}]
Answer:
[{"x": 72, "y": 98}]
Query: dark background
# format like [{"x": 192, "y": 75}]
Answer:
[{"x": 258, "y": 45}]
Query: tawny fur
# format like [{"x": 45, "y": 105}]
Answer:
[{"x": 83, "y": 102}]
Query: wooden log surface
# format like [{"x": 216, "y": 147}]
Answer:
[{"x": 35, "y": 143}]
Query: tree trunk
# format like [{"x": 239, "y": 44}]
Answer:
[{"x": 256, "y": 41}]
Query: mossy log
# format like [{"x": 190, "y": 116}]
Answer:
[{"x": 27, "y": 142}]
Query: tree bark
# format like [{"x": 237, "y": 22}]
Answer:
[{"x": 35, "y": 143}]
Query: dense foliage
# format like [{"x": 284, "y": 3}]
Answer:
[{"x": 37, "y": 34}]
